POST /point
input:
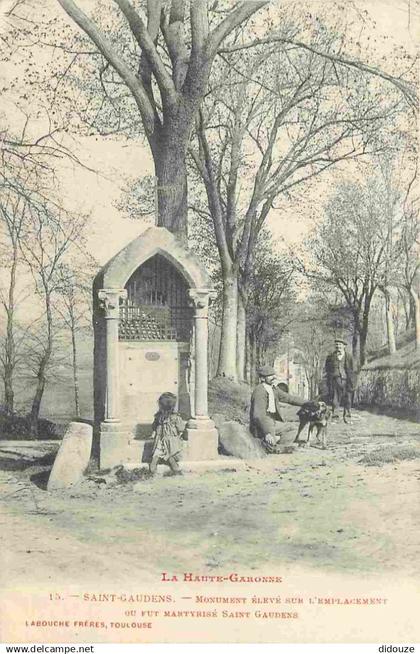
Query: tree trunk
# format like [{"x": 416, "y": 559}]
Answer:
[
  {"x": 390, "y": 328},
  {"x": 41, "y": 375},
  {"x": 9, "y": 344},
  {"x": 9, "y": 395},
  {"x": 363, "y": 328},
  {"x": 252, "y": 354},
  {"x": 406, "y": 304},
  {"x": 313, "y": 387},
  {"x": 355, "y": 344},
  {"x": 9, "y": 356},
  {"x": 248, "y": 357},
  {"x": 260, "y": 355},
  {"x": 169, "y": 155},
  {"x": 416, "y": 305},
  {"x": 36, "y": 402},
  {"x": 411, "y": 320},
  {"x": 254, "y": 374},
  {"x": 241, "y": 338},
  {"x": 227, "y": 353},
  {"x": 75, "y": 370},
  {"x": 409, "y": 315},
  {"x": 362, "y": 341}
]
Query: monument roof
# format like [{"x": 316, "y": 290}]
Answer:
[{"x": 155, "y": 240}]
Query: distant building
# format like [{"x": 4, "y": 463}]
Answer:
[{"x": 290, "y": 370}]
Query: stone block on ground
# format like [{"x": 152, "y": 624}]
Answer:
[
  {"x": 218, "y": 419},
  {"x": 236, "y": 440},
  {"x": 72, "y": 458}
]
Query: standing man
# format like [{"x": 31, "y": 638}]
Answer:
[
  {"x": 266, "y": 421},
  {"x": 340, "y": 379}
]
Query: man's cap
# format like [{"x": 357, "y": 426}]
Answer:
[
  {"x": 266, "y": 371},
  {"x": 338, "y": 339}
]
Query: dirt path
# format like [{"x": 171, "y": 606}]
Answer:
[{"x": 319, "y": 510}]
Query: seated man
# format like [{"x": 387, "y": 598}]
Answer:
[{"x": 266, "y": 421}]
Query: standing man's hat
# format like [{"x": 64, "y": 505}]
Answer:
[
  {"x": 339, "y": 339},
  {"x": 266, "y": 371}
]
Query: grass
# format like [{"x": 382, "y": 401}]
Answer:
[
  {"x": 405, "y": 357},
  {"x": 391, "y": 454},
  {"x": 230, "y": 399}
]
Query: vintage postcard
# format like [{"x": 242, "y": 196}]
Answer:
[{"x": 210, "y": 321}]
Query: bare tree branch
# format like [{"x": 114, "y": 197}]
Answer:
[
  {"x": 240, "y": 14},
  {"x": 408, "y": 90},
  {"x": 107, "y": 50},
  {"x": 148, "y": 47}
]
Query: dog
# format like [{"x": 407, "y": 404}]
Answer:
[{"x": 316, "y": 415}]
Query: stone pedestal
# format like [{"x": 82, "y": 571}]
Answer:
[
  {"x": 203, "y": 440},
  {"x": 116, "y": 446}
]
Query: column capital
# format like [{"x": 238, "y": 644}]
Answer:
[
  {"x": 201, "y": 299},
  {"x": 109, "y": 300}
]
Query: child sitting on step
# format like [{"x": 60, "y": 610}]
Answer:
[{"x": 168, "y": 427}]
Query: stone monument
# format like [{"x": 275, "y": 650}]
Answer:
[{"x": 150, "y": 315}]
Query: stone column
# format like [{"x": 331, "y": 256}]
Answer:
[
  {"x": 114, "y": 440},
  {"x": 109, "y": 299},
  {"x": 200, "y": 298},
  {"x": 201, "y": 432}
]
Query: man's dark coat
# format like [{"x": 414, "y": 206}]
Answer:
[
  {"x": 332, "y": 371},
  {"x": 262, "y": 422}
]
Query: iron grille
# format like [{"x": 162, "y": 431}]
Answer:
[{"x": 157, "y": 304}]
